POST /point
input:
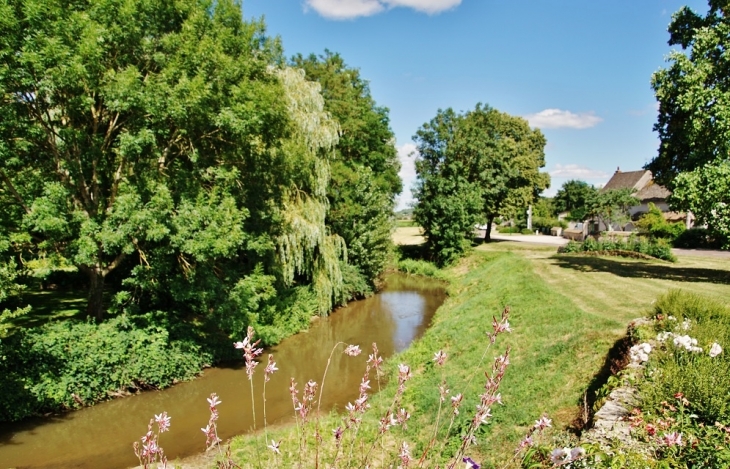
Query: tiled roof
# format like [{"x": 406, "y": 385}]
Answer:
[
  {"x": 653, "y": 192},
  {"x": 624, "y": 180}
]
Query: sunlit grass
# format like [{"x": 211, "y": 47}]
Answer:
[{"x": 556, "y": 351}]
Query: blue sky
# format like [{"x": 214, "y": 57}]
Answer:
[{"x": 580, "y": 70}]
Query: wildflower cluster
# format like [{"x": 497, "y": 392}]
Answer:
[
  {"x": 640, "y": 353},
  {"x": 563, "y": 456},
  {"x": 529, "y": 440},
  {"x": 211, "y": 430},
  {"x": 151, "y": 451},
  {"x": 250, "y": 352}
]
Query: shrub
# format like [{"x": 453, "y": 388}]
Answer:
[
  {"x": 698, "y": 238},
  {"x": 526, "y": 231},
  {"x": 702, "y": 379},
  {"x": 656, "y": 226},
  {"x": 65, "y": 365},
  {"x": 659, "y": 249}
]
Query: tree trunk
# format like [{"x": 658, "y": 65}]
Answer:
[
  {"x": 95, "y": 306},
  {"x": 488, "y": 231}
]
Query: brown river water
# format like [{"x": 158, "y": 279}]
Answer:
[{"x": 102, "y": 436}]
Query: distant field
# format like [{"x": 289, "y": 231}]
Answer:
[{"x": 408, "y": 235}]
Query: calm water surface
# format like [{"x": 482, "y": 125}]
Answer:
[{"x": 102, "y": 436}]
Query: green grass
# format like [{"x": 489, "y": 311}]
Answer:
[
  {"x": 556, "y": 351},
  {"x": 405, "y": 223},
  {"x": 618, "y": 288}
]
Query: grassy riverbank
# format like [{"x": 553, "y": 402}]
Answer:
[
  {"x": 567, "y": 313},
  {"x": 556, "y": 349}
]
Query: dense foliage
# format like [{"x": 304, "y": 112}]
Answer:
[
  {"x": 167, "y": 152},
  {"x": 474, "y": 166},
  {"x": 611, "y": 208},
  {"x": 693, "y": 121},
  {"x": 656, "y": 226},
  {"x": 575, "y": 197},
  {"x": 364, "y": 179},
  {"x": 66, "y": 365}
]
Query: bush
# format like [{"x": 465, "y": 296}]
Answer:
[
  {"x": 659, "y": 249},
  {"x": 656, "y": 226},
  {"x": 526, "y": 232},
  {"x": 66, "y": 365},
  {"x": 508, "y": 229},
  {"x": 698, "y": 238}
]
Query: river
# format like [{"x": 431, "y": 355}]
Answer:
[{"x": 102, "y": 435}]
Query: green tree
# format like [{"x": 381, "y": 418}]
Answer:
[
  {"x": 365, "y": 163},
  {"x": 574, "y": 197},
  {"x": 611, "y": 207},
  {"x": 693, "y": 94},
  {"x": 477, "y": 165},
  {"x": 706, "y": 192},
  {"x": 163, "y": 142}
]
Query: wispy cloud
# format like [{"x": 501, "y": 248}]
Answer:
[
  {"x": 574, "y": 171},
  {"x": 560, "y": 119},
  {"x": 407, "y": 154},
  {"x": 348, "y": 9}
]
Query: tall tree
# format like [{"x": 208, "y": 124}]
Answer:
[
  {"x": 694, "y": 94},
  {"x": 153, "y": 135},
  {"x": 575, "y": 196},
  {"x": 478, "y": 164},
  {"x": 365, "y": 164}
]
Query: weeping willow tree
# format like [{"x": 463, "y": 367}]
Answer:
[{"x": 305, "y": 246}]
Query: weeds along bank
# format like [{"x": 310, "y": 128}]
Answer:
[{"x": 554, "y": 350}]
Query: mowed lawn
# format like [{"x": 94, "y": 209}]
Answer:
[{"x": 618, "y": 288}]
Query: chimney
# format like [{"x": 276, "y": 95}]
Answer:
[{"x": 618, "y": 170}]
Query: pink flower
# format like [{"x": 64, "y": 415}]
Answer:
[
  {"x": 270, "y": 368},
  {"x": 439, "y": 357},
  {"x": 405, "y": 454},
  {"x": 163, "y": 422},
  {"x": 213, "y": 400},
  {"x": 672, "y": 439},
  {"x": 543, "y": 423},
  {"x": 352, "y": 350}
]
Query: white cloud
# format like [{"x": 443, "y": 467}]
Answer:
[
  {"x": 574, "y": 171},
  {"x": 558, "y": 119},
  {"x": 407, "y": 154},
  {"x": 347, "y": 9}
]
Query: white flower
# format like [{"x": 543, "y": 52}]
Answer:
[
  {"x": 640, "y": 353},
  {"x": 686, "y": 325},
  {"x": 663, "y": 336},
  {"x": 715, "y": 350},
  {"x": 686, "y": 342},
  {"x": 671, "y": 318},
  {"x": 560, "y": 456}
]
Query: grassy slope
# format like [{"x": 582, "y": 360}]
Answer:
[
  {"x": 567, "y": 311},
  {"x": 556, "y": 348}
]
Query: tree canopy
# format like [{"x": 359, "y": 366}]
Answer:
[
  {"x": 575, "y": 197},
  {"x": 475, "y": 165},
  {"x": 164, "y": 145},
  {"x": 694, "y": 94},
  {"x": 694, "y": 118}
]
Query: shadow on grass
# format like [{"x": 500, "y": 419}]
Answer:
[
  {"x": 634, "y": 269},
  {"x": 51, "y": 305}
]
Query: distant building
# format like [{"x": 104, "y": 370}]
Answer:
[{"x": 647, "y": 191}]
